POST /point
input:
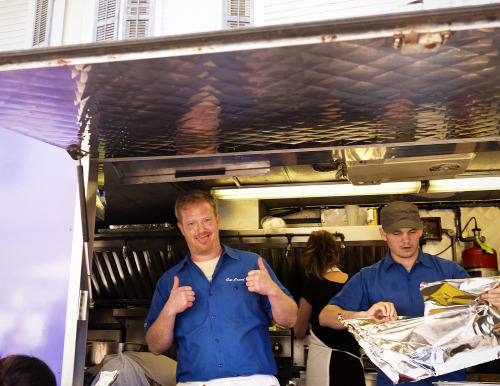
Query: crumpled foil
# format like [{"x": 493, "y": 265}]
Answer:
[{"x": 458, "y": 331}]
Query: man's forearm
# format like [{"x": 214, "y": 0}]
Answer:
[
  {"x": 160, "y": 335},
  {"x": 329, "y": 316},
  {"x": 284, "y": 309}
]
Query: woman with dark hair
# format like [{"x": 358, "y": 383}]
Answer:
[
  {"x": 23, "y": 370},
  {"x": 334, "y": 355}
]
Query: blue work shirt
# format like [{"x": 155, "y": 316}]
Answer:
[
  {"x": 226, "y": 331},
  {"x": 388, "y": 281}
]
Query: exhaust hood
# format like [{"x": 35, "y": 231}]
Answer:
[{"x": 370, "y": 172}]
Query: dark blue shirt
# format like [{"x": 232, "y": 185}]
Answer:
[
  {"x": 226, "y": 331},
  {"x": 388, "y": 281}
]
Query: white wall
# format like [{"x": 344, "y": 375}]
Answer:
[
  {"x": 37, "y": 206},
  {"x": 14, "y": 24},
  {"x": 183, "y": 17},
  {"x": 79, "y": 22},
  {"x": 298, "y": 11}
]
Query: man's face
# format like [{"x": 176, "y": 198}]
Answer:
[
  {"x": 200, "y": 227},
  {"x": 403, "y": 242}
]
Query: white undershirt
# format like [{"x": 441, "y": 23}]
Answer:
[{"x": 208, "y": 267}]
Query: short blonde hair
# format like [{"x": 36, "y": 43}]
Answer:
[{"x": 191, "y": 197}]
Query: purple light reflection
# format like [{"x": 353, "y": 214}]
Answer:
[{"x": 37, "y": 206}]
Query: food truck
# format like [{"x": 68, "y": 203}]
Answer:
[{"x": 292, "y": 127}]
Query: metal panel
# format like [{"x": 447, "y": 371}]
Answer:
[{"x": 431, "y": 76}]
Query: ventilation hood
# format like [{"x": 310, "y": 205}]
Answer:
[{"x": 407, "y": 169}]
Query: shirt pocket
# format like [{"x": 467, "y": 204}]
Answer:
[
  {"x": 239, "y": 303},
  {"x": 191, "y": 319}
]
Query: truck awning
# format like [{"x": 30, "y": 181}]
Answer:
[{"x": 395, "y": 79}]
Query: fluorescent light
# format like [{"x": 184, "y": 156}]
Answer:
[
  {"x": 317, "y": 190},
  {"x": 464, "y": 184}
]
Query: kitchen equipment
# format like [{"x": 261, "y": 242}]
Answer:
[
  {"x": 97, "y": 350},
  {"x": 281, "y": 344},
  {"x": 352, "y": 214},
  {"x": 371, "y": 216},
  {"x": 478, "y": 262}
]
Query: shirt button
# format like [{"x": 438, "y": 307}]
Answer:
[
  {"x": 412, "y": 299},
  {"x": 216, "y": 340},
  {"x": 210, "y": 293},
  {"x": 220, "y": 364},
  {"x": 213, "y": 316},
  {"x": 235, "y": 288},
  {"x": 409, "y": 279}
]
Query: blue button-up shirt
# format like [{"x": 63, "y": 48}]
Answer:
[
  {"x": 226, "y": 331},
  {"x": 388, "y": 281}
]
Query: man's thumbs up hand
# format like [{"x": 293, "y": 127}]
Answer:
[
  {"x": 180, "y": 298},
  {"x": 259, "y": 280}
]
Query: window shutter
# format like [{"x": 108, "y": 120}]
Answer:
[
  {"x": 239, "y": 13},
  {"x": 41, "y": 25},
  {"x": 107, "y": 20},
  {"x": 137, "y": 19}
]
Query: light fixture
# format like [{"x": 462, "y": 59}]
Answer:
[
  {"x": 316, "y": 190},
  {"x": 464, "y": 184}
]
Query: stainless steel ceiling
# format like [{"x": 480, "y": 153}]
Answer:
[{"x": 187, "y": 107}]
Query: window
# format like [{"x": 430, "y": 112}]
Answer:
[
  {"x": 123, "y": 19},
  {"x": 137, "y": 19},
  {"x": 43, "y": 13},
  {"x": 107, "y": 20},
  {"x": 239, "y": 13}
]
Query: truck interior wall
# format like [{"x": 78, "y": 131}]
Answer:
[{"x": 37, "y": 205}]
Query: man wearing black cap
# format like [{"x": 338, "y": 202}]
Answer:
[{"x": 391, "y": 286}]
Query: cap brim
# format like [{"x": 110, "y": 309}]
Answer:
[{"x": 403, "y": 224}]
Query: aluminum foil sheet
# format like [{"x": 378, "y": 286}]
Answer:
[{"x": 458, "y": 331}]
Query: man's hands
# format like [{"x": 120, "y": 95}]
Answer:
[
  {"x": 493, "y": 296},
  {"x": 160, "y": 335},
  {"x": 259, "y": 280},
  {"x": 283, "y": 308},
  {"x": 180, "y": 298},
  {"x": 382, "y": 312}
]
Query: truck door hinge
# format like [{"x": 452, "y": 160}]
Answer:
[{"x": 83, "y": 305}]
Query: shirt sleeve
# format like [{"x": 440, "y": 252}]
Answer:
[
  {"x": 352, "y": 297},
  {"x": 160, "y": 297},
  {"x": 460, "y": 273}
]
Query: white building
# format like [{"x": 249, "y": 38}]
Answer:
[{"x": 25, "y": 24}]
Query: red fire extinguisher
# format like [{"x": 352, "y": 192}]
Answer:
[{"x": 480, "y": 260}]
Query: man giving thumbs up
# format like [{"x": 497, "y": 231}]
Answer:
[{"x": 215, "y": 305}]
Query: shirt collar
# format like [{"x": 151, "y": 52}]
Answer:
[
  {"x": 225, "y": 251},
  {"x": 421, "y": 258}
]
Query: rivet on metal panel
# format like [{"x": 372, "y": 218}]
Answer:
[
  {"x": 398, "y": 41},
  {"x": 328, "y": 38},
  {"x": 430, "y": 40},
  {"x": 445, "y": 36}
]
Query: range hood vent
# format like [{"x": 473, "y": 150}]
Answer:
[
  {"x": 373, "y": 172},
  {"x": 157, "y": 170}
]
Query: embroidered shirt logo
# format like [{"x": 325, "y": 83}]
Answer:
[{"x": 234, "y": 279}]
